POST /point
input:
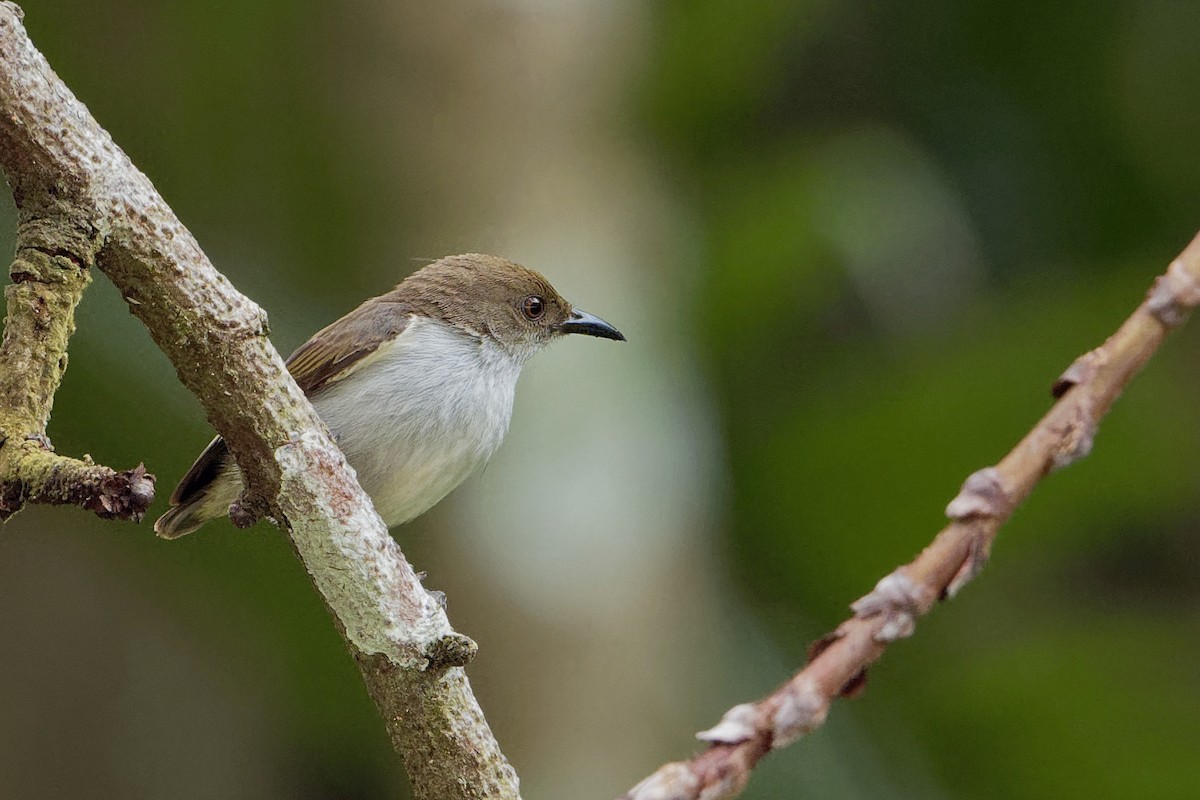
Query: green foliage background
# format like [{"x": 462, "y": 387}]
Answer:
[{"x": 904, "y": 220}]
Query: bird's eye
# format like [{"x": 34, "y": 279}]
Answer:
[{"x": 533, "y": 307}]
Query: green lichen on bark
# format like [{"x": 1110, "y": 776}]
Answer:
[
  {"x": 38, "y": 324},
  {"x": 50, "y": 274}
]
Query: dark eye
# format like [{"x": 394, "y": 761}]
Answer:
[{"x": 534, "y": 307}]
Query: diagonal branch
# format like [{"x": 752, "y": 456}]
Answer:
[
  {"x": 838, "y": 662},
  {"x": 61, "y": 162}
]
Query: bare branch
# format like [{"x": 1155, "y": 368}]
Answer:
[
  {"x": 988, "y": 497},
  {"x": 81, "y": 195}
]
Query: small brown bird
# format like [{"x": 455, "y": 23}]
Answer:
[{"x": 416, "y": 385}]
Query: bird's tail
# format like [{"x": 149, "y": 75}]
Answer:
[
  {"x": 205, "y": 492},
  {"x": 182, "y": 519}
]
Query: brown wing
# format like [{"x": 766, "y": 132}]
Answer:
[
  {"x": 332, "y": 352},
  {"x": 339, "y": 348}
]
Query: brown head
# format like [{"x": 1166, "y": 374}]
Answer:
[{"x": 490, "y": 296}]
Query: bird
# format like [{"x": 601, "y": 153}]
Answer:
[{"x": 416, "y": 385}]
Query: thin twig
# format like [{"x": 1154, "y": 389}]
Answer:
[
  {"x": 838, "y": 662},
  {"x": 57, "y": 157}
]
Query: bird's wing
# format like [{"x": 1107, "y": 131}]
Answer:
[{"x": 336, "y": 351}]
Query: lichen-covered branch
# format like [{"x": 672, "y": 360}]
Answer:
[
  {"x": 59, "y": 480},
  {"x": 838, "y": 662},
  {"x": 83, "y": 202},
  {"x": 49, "y": 274}
]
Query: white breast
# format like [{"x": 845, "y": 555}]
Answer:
[{"x": 421, "y": 415}]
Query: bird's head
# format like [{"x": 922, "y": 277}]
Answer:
[{"x": 492, "y": 297}]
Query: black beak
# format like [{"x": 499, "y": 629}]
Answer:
[{"x": 583, "y": 322}]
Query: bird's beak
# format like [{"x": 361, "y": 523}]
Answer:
[{"x": 583, "y": 322}]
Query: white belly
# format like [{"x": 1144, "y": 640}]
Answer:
[{"x": 421, "y": 415}]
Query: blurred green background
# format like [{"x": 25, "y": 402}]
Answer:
[{"x": 852, "y": 244}]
